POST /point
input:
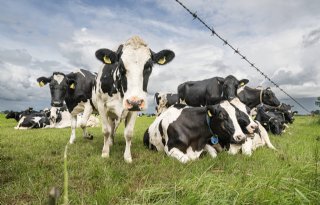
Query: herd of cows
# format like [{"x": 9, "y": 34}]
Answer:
[{"x": 209, "y": 115}]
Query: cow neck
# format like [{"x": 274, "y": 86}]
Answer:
[
  {"x": 252, "y": 97},
  {"x": 214, "y": 138}
]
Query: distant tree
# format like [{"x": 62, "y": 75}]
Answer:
[{"x": 317, "y": 102}]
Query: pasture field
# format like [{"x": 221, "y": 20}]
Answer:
[{"x": 32, "y": 163}]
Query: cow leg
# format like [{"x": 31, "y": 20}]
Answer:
[
  {"x": 234, "y": 149},
  {"x": 116, "y": 124},
  {"x": 212, "y": 151},
  {"x": 107, "y": 132},
  {"x": 128, "y": 134},
  {"x": 73, "y": 128},
  {"x": 246, "y": 147},
  {"x": 85, "y": 117},
  {"x": 176, "y": 153}
]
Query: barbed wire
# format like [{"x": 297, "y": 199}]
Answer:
[{"x": 236, "y": 51}]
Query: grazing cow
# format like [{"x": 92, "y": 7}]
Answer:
[
  {"x": 209, "y": 91},
  {"x": 164, "y": 101},
  {"x": 34, "y": 120},
  {"x": 255, "y": 96},
  {"x": 271, "y": 121},
  {"x": 183, "y": 132},
  {"x": 122, "y": 87},
  {"x": 75, "y": 89}
]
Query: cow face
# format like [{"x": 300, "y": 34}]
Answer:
[
  {"x": 243, "y": 115},
  {"x": 287, "y": 112},
  {"x": 275, "y": 126},
  {"x": 224, "y": 122},
  {"x": 269, "y": 98},
  {"x": 59, "y": 84},
  {"x": 134, "y": 61},
  {"x": 230, "y": 86}
]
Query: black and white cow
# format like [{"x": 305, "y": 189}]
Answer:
[
  {"x": 75, "y": 89},
  {"x": 288, "y": 114},
  {"x": 34, "y": 120},
  {"x": 18, "y": 115},
  {"x": 164, "y": 101},
  {"x": 271, "y": 121},
  {"x": 122, "y": 87},
  {"x": 255, "y": 96},
  {"x": 209, "y": 91},
  {"x": 183, "y": 132}
]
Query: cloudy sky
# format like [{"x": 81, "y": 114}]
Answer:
[{"x": 39, "y": 37}]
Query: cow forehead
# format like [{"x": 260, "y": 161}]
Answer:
[
  {"x": 229, "y": 109},
  {"x": 132, "y": 56},
  {"x": 236, "y": 102},
  {"x": 58, "y": 77}
]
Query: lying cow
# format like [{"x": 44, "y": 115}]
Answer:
[
  {"x": 121, "y": 88},
  {"x": 209, "y": 91},
  {"x": 271, "y": 121},
  {"x": 75, "y": 89},
  {"x": 255, "y": 96},
  {"x": 18, "y": 115},
  {"x": 285, "y": 109},
  {"x": 34, "y": 120},
  {"x": 164, "y": 101},
  {"x": 183, "y": 132}
]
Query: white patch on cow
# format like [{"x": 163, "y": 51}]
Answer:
[
  {"x": 135, "y": 53},
  {"x": 176, "y": 153},
  {"x": 239, "y": 90},
  {"x": 161, "y": 107},
  {"x": 262, "y": 139},
  {"x": 58, "y": 77},
  {"x": 247, "y": 146},
  {"x": 232, "y": 114},
  {"x": 211, "y": 150},
  {"x": 234, "y": 149},
  {"x": 192, "y": 154},
  {"x": 19, "y": 123},
  {"x": 242, "y": 107}
]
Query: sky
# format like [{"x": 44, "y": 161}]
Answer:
[{"x": 40, "y": 37}]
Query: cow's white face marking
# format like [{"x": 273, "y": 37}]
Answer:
[
  {"x": 242, "y": 107},
  {"x": 58, "y": 77},
  {"x": 232, "y": 114},
  {"x": 135, "y": 54}
]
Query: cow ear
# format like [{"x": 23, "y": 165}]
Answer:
[
  {"x": 42, "y": 81},
  {"x": 106, "y": 56},
  {"x": 243, "y": 82},
  {"x": 163, "y": 57}
]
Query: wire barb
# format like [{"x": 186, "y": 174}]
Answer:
[{"x": 236, "y": 51}]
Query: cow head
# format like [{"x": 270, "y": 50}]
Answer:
[
  {"x": 275, "y": 126},
  {"x": 134, "y": 61},
  {"x": 223, "y": 121},
  {"x": 230, "y": 86},
  {"x": 287, "y": 112},
  {"x": 243, "y": 115},
  {"x": 59, "y": 84},
  {"x": 269, "y": 98}
]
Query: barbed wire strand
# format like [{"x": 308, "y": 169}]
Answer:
[{"x": 236, "y": 51}]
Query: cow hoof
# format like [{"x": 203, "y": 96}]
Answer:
[
  {"x": 184, "y": 159},
  {"x": 128, "y": 159},
  {"x": 105, "y": 155}
]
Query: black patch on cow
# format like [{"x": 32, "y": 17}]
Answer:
[
  {"x": 160, "y": 128},
  {"x": 146, "y": 141},
  {"x": 179, "y": 106},
  {"x": 146, "y": 73}
]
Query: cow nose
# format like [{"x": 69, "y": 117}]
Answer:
[
  {"x": 135, "y": 104},
  {"x": 56, "y": 103}
]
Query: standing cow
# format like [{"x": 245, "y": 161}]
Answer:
[
  {"x": 75, "y": 89},
  {"x": 122, "y": 87}
]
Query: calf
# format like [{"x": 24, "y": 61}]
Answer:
[
  {"x": 253, "y": 97},
  {"x": 209, "y": 91},
  {"x": 183, "y": 132},
  {"x": 164, "y": 101},
  {"x": 121, "y": 87},
  {"x": 75, "y": 89}
]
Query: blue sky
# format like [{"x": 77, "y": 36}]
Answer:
[{"x": 40, "y": 37}]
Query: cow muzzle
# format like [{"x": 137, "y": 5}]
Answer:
[{"x": 135, "y": 104}]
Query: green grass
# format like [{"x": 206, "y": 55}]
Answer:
[{"x": 32, "y": 163}]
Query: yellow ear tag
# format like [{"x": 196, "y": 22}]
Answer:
[
  {"x": 106, "y": 60},
  {"x": 161, "y": 61},
  {"x": 209, "y": 113},
  {"x": 242, "y": 84},
  {"x": 41, "y": 84},
  {"x": 72, "y": 86}
]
